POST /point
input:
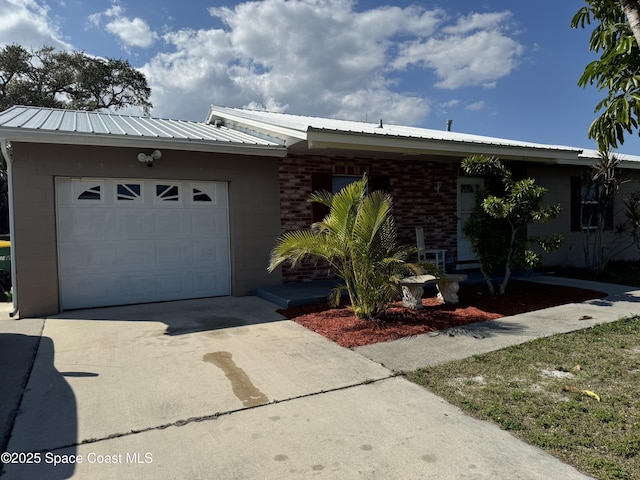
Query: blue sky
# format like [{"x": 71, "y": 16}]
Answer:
[{"x": 500, "y": 68}]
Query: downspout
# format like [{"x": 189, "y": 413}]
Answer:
[{"x": 6, "y": 153}]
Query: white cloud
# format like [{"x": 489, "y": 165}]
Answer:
[
  {"x": 478, "y": 21},
  {"x": 317, "y": 57},
  {"x": 477, "y": 59},
  {"x": 475, "y": 106},
  {"x": 322, "y": 57},
  {"x": 132, "y": 32},
  {"x": 310, "y": 56},
  {"x": 27, "y": 23},
  {"x": 449, "y": 103}
]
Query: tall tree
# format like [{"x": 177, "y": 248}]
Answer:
[
  {"x": 616, "y": 37},
  {"x": 50, "y": 78},
  {"x": 631, "y": 9}
]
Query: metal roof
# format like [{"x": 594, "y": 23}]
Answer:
[
  {"x": 50, "y": 125},
  {"x": 256, "y": 132},
  {"x": 300, "y": 126},
  {"x": 319, "y": 133}
]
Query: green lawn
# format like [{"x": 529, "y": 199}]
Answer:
[{"x": 545, "y": 392}]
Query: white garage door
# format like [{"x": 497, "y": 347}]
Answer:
[{"x": 123, "y": 241}]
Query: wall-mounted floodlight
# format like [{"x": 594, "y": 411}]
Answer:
[{"x": 148, "y": 159}]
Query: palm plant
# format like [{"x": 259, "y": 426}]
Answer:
[{"x": 358, "y": 240}]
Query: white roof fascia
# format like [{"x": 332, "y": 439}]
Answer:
[
  {"x": 631, "y": 162},
  {"x": 321, "y": 139},
  {"x": 388, "y": 138},
  {"x": 114, "y": 140},
  {"x": 288, "y": 135},
  {"x": 323, "y": 133}
]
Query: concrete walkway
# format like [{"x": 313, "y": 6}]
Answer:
[{"x": 226, "y": 389}]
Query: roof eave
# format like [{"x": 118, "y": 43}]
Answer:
[
  {"x": 110, "y": 140},
  {"x": 288, "y": 135},
  {"x": 631, "y": 165},
  {"x": 318, "y": 139}
]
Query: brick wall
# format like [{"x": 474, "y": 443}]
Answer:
[{"x": 412, "y": 186}]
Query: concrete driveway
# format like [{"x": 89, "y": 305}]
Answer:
[{"x": 226, "y": 389}]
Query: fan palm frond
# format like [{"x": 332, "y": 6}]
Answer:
[{"x": 358, "y": 239}]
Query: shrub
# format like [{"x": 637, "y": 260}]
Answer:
[
  {"x": 496, "y": 228},
  {"x": 358, "y": 239}
]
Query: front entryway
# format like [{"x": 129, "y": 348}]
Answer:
[
  {"x": 467, "y": 189},
  {"x": 124, "y": 241}
]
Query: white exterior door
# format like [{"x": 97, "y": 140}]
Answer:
[
  {"x": 467, "y": 189},
  {"x": 123, "y": 241}
]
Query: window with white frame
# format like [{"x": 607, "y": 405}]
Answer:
[
  {"x": 87, "y": 191},
  {"x": 167, "y": 192},
  {"x": 129, "y": 192}
]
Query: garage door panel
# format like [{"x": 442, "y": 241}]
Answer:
[
  {"x": 135, "y": 224},
  {"x": 100, "y": 289},
  {"x": 83, "y": 256},
  {"x": 211, "y": 223},
  {"x": 207, "y": 254},
  {"x": 173, "y": 254},
  {"x": 209, "y": 280},
  {"x": 130, "y": 288},
  {"x": 172, "y": 285},
  {"x": 203, "y": 251},
  {"x": 173, "y": 223},
  {"x": 83, "y": 291},
  {"x": 134, "y": 255},
  {"x": 134, "y": 241},
  {"x": 89, "y": 224},
  {"x": 92, "y": 290}
]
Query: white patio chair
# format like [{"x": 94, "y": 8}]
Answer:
[{"x": 436, "y": 256}]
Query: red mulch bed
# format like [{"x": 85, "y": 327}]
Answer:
[{"x": 476, "y": 305}]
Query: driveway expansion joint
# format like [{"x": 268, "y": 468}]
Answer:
[{"x": 214, "y": 416}]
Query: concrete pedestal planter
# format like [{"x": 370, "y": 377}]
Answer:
[
  {"x": 413, "y": 289},
  {"x": 448, "y": 289}
]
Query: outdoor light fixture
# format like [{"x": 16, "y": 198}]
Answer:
[{"x": 148, "y": 159}]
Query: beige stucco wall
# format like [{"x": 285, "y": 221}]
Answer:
[
  {"x": 254, "y": 209},
  {"x": 557, "y": 180}
]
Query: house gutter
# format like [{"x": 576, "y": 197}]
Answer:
[{"x": 6, "y": 153}]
